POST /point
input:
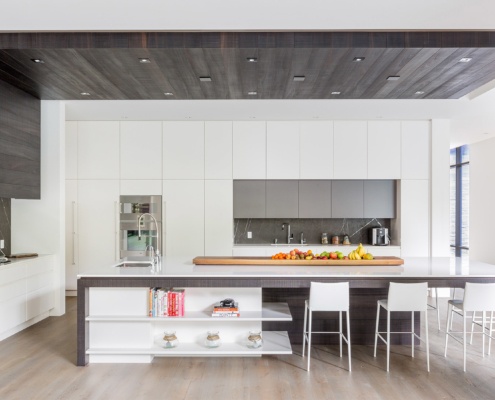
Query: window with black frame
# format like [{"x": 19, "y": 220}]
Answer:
[{"x": 459, "y": 201}]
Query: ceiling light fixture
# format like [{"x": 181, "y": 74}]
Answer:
[
  {"x": 168, "y": 94},
  {"x": 465, "y": 59},
  {"x": 419, "y": 92},
  {"x": 299, "y": 78},
  {"x": 335, "y": 93},
  {"x": 85, "y": 94},
  {"x": 252, "y": 93},
  {"x": 144, "y": 60},
  {"x": 358, "y": 59},
  {"x": 205, "y": 78},
  {"x": 393, "y": 78},
  {"x": 252, "y": 59},
  {"x": 37, "y": 60}
]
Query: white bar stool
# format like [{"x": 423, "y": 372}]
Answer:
[
  {"x": 404, "y": 297},
  {"x": 477, "y": 297},
  {"x": 327, "y": 297}
]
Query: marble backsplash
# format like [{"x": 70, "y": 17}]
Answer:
[
  {"x": 5, "y": 226},
  {"x": 265, "y": 231}
]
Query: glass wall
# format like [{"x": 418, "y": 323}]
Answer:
[{"x": 459, "y": 201}]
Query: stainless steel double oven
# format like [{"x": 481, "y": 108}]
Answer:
[{"x": 131, "y": 208}]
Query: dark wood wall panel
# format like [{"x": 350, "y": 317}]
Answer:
[{"x": 19, "y": 144}]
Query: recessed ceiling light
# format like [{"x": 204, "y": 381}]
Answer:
[
  {"x": 419, "y": 92},
  {"x": 335, "y": 93},
  {"x": 187, "y": 117},
  {"x": 252, "y": 59},
  {"x": 252, "y": 93},
  {"x": 358, "y": 59},
  {"x": 205, "y": 78},
  {"x": 144, "y": 60},
  {"x": 168, "y": 94},
  {"x": 85, "y": 94},
  {"x": 252, "y": 117},
  {"x": 393, "y": 78},
  {"x": 299, "y": 78},
  {"x": 465, "y": 59},
  {"x": 37, "y": 60}
]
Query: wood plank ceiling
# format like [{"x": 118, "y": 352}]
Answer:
[{"x": 107, "y": 66}]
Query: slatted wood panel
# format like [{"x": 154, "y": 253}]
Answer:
[
  {"x": 106, "y": 64},
  {"x": 19, "y": 144}
]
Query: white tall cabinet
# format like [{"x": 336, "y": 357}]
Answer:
[
  {"x": 282, "y": 150},
  {"x": 350, "y": 152},
  {"x": 249, "y": 150}
]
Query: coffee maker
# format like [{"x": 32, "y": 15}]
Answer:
[{"x": 379, "y": 237}]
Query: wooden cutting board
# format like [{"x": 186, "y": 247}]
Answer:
[
  {"x": 23, "y": 255},
  {"x": 268, "y": 261}
]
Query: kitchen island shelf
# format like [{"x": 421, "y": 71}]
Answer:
[
  {"x": 274, "y": 342},
  {"x": 269, "y": 312}
]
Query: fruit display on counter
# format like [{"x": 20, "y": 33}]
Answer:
[{"x": 358, "y": 254}]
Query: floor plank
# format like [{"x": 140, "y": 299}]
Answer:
[{"x": 39, "y": 363}]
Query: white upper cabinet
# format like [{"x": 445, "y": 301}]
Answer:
[
  {"x": 183, "y": 214},
  {"x": 139, "y": 187},
  {"x": 415, "y": 150},
  {"x": 282, "y": 150},
  {"x": 183, "y": 150},
  {"x": 98, "y": 223},
  {"x": 384, "y": 149},
  {"x": 71, "y": 150},
  {"x": 414, "y": 218},
  {"x": 218, "y": 150},
  {"x": 218, "y": 218},
  {"x": 141, "y": 150},
  {"x": 98, "y": 150},
  {"x": 316, "y": 150},
  {"x": 350, "y": 150},
  {"x": 249, "y": 150}
]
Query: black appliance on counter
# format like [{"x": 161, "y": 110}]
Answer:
[{"x": 379, "y": 237}]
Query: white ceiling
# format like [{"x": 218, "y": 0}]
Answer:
[{"x": 239, "y": 15}]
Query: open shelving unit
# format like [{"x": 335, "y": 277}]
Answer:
[{"x": 120, "y": 331}]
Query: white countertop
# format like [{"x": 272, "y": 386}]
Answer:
[
  {"x": 413, "y": 267},
  {"x": 16, "y": 261}
]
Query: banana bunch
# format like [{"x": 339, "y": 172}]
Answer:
[{"x": 360, "y": 254}]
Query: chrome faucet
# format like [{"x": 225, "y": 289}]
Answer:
[
  {"x": 289, "y": 236},
  {"x": 155, "y": 253},
  {"x": 303, "y": 241}
]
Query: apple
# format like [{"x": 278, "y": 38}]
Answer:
[{"x": 333, "y": 255}]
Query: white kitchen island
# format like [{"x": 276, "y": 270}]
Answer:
[{"x": 114, "y": 326}]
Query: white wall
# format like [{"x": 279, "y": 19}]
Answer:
[
  {"x": 481, "y": 201},
  {"x": 39, "y": 225}
]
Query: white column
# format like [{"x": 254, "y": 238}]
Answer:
[
  {"x": 39, "y": 225},
  {"x": 440, "y": 188}
]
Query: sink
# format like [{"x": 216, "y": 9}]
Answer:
[{"x": 128, "y": 264}]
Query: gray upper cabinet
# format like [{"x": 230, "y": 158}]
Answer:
[
  {"x": 379, "y": 199},
  {"x": 282, "y": 200},
  {"x": 249, "y": 199},
  {"x": 315, "y": 199},
  {"x": 347, "y": 199}
]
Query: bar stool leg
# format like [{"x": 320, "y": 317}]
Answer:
[
  {"x": 427, "y": 342},
  {"x": 376, "y": 330},
  {"x": 348, "y": 339},
  {"x": 340, "y": 332},
  {"x": 464, "y": 337},
  {"x": 388, "y": 340},
  {"x": 412, "y": 334},
  {"x": 448, "y": 327},
  {"x": 438, "y": 309},
  {"x": 483, "y": 322},
  {"x": 309, "y": 336},
  {"x": 490, "y": 331},
  {"x": 305, "y": 326}
]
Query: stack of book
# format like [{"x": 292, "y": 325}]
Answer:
[
  {"x": 166, "y": 302},
  {"x": 220, "y": 311}
]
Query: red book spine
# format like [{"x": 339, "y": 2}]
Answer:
[{"x": 169, "y": 303}]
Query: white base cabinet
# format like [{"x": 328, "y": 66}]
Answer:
[
  {"x": 26, "y": 293},
  {"x": 121, "y": 332}
]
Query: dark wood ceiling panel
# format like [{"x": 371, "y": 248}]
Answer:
[{"x": 106, "y": 64}]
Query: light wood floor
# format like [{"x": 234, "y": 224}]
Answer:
[{"x": 39, "y": 363}]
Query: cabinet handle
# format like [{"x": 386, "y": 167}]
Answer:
[
  {"x": 116, "y": 232},
  {"x": 163, "y": 226},
  {"x": 73, "y": 233}
]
